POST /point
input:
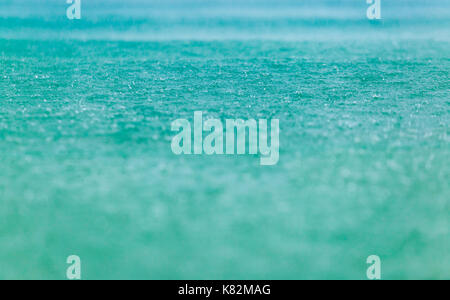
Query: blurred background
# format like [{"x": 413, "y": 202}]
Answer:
[
  {"x": 297, "y": 20},
  {"x": 86, "y": 166}
]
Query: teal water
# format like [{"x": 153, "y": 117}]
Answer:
[{"x": 86, "y": 166}]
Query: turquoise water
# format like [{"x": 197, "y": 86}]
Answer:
[{"x": 86, "y": 166}]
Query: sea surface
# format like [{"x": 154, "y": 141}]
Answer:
[{"x": 86, "y": 166}]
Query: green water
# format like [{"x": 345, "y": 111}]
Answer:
[{"x": 86, "y": 166}]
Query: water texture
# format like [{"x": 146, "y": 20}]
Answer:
[{"x": 86, "y": 166}]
